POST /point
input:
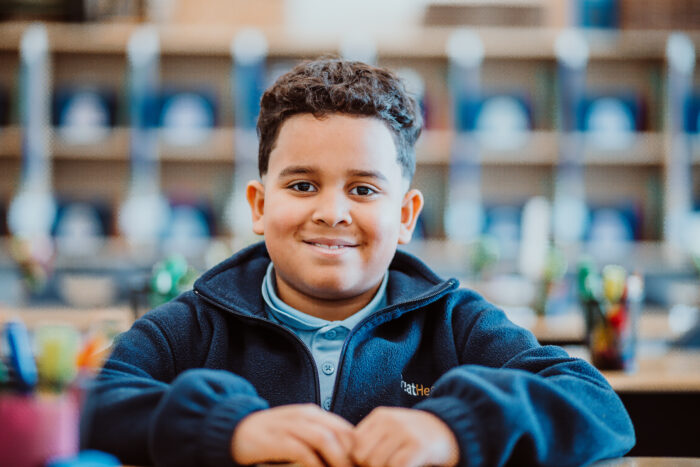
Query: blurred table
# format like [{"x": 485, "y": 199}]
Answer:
[
  {"x": 569, "y": 328},
  {"x": 82, "y": 318},
  {"x": 659, "y": 369},
  {"x": 673, "y": 371},
  {"x": 617, "y": 462},
  {"x": 649, "y": 462},
  {"x": 662, "y": 397}
]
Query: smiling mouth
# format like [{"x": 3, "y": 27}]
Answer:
[{"x": 331, "y": 246}]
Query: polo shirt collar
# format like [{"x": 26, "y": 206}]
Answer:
[{"x": 299, "y": 320}]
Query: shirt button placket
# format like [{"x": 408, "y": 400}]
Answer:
[
  {"x": 327, "y": 368},
  {"x": 327, "y": 403}
]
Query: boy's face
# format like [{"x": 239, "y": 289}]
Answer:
[{"x": 333, "y": 206}]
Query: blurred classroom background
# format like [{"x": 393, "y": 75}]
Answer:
[{"x": 559, "y": 161}]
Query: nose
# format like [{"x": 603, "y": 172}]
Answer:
[{"x": 332, "y": 208}]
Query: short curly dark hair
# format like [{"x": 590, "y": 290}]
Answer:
[{"x": 331, "y": 85}]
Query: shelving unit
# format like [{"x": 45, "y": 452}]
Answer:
[
  {"x": 423, "y": 43},
  {"x": 433, "y": 147},
  {"x": 515, "y": 58}
]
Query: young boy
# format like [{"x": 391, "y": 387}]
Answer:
[{"x": 324, "y": 345}]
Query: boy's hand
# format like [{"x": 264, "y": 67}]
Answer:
[
  {"x": 302, "y": 433},
  {"x": 393, "y": 436}
]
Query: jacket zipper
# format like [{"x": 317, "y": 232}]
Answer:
[
  {"x": 417, "y": 302},
  {"x": 305, "y": 349}
]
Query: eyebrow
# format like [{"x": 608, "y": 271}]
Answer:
[
  {"x": 296, "y": 170},
  {"x": 368, "y": 174},
  {"x": 305, "y": 170}
]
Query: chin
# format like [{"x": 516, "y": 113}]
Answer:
[{"x": 332, "y": 291}]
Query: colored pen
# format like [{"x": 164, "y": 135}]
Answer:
[
  {"x": 93, "y": 353},
  {"x": 21, "y": 359},
  {"x": 57, "y": 351}
]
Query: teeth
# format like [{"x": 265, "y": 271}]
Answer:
[{"x": 330, "y": 247}]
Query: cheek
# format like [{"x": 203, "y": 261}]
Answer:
[
  {"x": 384, "y": 225},
  {"x": 282, "y": 217}
]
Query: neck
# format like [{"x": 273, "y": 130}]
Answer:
[{"x": 330, "y": 310}]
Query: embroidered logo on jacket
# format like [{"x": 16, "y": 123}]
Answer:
[{"x": 416, "y": 389}]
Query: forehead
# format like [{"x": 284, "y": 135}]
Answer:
[{"x": 337, "y": 141}]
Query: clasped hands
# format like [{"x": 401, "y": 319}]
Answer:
[{"x": 306, "y": 434}]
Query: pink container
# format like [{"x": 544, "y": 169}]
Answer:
[{"x": 36, "y": 428}]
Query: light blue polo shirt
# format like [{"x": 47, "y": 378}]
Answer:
[{"x": 324, "y": 338}]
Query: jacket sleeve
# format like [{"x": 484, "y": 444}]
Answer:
[
  {"x": 512, "y": 401},
  {"x": 145, "y": 411}
]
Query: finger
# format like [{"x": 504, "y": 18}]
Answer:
[
  {"x": 384, "y": 451},
  {"x": 318, "y": 415},
  {"x": 325, "y": 443},
  {"x": 288, "y": 449},
  {"x": 363, "y": 452},
  {"x": 300, "y": 453},
  {"x": 369, "y": 421},
  {"x": 368, "y": 431},
  {"x": 347, "y": 440},
  {"x": 366, "y": 443},
  {"x": 407, "y": 456},
  {"x": 341, "y": 428}
]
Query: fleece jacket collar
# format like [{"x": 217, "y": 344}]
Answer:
[{"x": 235, "y": 283}]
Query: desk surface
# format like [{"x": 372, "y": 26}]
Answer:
[
  {"x": 649, "y": 462},
  {"x": 618, "y": 462},
  {"x": 675, "y": 371},
  {"x": 82, "y": 318},
  {"x": 658, "y": 370}
]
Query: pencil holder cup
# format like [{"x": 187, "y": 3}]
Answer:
[
  {"x": 612, "y": 338},
  {"x": 611, "y": 323},
  {"x": 37, "y": 428}
]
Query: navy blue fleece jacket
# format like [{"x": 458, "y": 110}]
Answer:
[{"x": 178, "y": 383}]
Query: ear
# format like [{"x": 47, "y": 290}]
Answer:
[
  {"x": 255, "y": 194},
  {"x": 411, "y": 207}
]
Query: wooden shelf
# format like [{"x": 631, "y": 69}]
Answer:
[
  {"x": 541, "y": 149},
  {"x": 10, "y": 141},
  {"x": 115, "y": 147},
  {"x": 433, "y": 147},
  {"x": 414, "y": 42}
]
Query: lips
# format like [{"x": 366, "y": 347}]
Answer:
[
  {"x": 330, "y": 247},
  {"x": 330, "y": 244}
]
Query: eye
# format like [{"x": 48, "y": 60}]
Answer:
[
  {"x": 363, "y": 190},
  {"x": 304, "y": 187}
]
